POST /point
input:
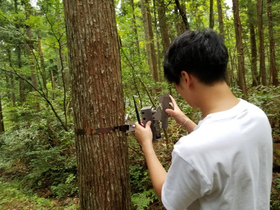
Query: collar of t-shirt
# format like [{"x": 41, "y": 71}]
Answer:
[{"x": 223, "y": 115}]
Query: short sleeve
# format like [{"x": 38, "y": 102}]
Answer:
[{"x": 183, "y": 185}]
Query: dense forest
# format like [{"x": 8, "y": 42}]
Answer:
[{"x": 41, "y": 75}]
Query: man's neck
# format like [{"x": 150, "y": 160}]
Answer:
[{"x": 215, "y": 98}]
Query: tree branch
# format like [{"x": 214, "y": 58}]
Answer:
[{"x": 183, "y": 14}]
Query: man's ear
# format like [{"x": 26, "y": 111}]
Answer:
[{"x": 186, "y": 77}]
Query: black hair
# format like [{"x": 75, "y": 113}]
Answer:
[{"x": 200, "y": 53}]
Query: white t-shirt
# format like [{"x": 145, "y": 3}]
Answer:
[{"x": 224, "y": 164}]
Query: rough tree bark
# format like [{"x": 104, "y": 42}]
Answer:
[
  {"x": 261, "y": 42},
  {"x": 180, "y": 26},
  {"x": 157, "y": 41},
  {"x": 273, "y": 66},
  {"x": 149, "y": 37},
  {"x": 11, "y": 77},
  {"x": 1, "y": 118},
  {"x": 255, "y": 76},
  {"x": 42, "y": 63},
  {"x": 135, "y": 28},
  {"x": 163, "y": 25},
  {"x": 220, "y": 16},
  {"x": 98, "y": 102},
  {"x": 19, "y": 61},
  {"x": 253, "y": 44},
  {"x": 30, "y": 49},
  {"x": 239, "y": 45},
  {"x": 211, "y": 15}
]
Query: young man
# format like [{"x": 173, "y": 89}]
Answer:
[{"x": 225, "y": 163}]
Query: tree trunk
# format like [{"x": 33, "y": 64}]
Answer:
[
  {"x": 98, "y": 102},
  {"x": 42, "y": 63},
  {"x": 135, "y": 29},
  {"x": 12, "y": 78},
  {"x": 180, "y": 26},
  {"x": 239, "y": 45},
  {"x": 53, "y": 84},
  {"x": 255, "y": 76},
  {"x": 230, "y": 74},
  {"x": 1, "y": 117},
  {"x": 261, "y": 42},
  {"x": 13, "y": 88},
  {"x": 19, "y": 62},
  {"x": 149, "y": 37},
  {"x": 182, "y": 12},
  {"x": 211, "y": 15},
  {"x": 157, "y": 42},
  {"x": 220, "y": 16},
  {"x": 273, "y": 66},
  {"x": 21, "y": 82},
  {"x": 63, "y": 77},
  {"x": 251, "y": 12},
  {"x": 163, "y": 25},
  {"x": 30, "y": 52}
]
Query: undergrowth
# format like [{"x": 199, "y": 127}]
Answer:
[{"x": 13, "y": 196}]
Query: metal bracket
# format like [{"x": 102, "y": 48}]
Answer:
[{"x": 155, "y": 115}]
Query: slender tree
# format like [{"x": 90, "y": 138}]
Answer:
[
  {"x": 180, "y": 26},
  {"x": 19, "y": 60},
  {"x": 30, "y": 50},
  {"x": 42, "y": 62},
  {"x": 98, "y": 103},
  {"x": 149, "y": 37},
  {"x": 163, "y": 25},
  {"x": 182, "y": 12},
  {"x": 135, "y": 28},
  {"x": 261, "y": 42},
  {"x": 157, "y": 41},
  {"x": 239, "y": 45},
  {"x": 11, "y": 76},
  {"x": 272, "y": 63},
  {"x": 211, "y": 15},
  {"x": 1, "y": 118},
  {"x": 220, "y": 16},
  {"x": 251, "y": 19},
  {"x": 254, "y": 71}
]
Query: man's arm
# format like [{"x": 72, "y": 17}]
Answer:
[{"x": 156, "y": 170}]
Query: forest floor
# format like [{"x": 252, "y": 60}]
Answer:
[{"x": 14, "y": 197}]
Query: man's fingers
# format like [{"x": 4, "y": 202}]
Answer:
[
  {"x": 149, "y": 123},
  {"x": 172, "y": 99},
  {"x": 174, "y": 104},
  {"x": 142, "y": 124},
  {"x": 169, "y": 112}
]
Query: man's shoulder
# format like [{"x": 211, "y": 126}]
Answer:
[
  {"x": 252, "y": 108},
  {"x": 192, "y": 144},
  {"x": 243, "y": 114},
  {"x": 254, "y": 115}
]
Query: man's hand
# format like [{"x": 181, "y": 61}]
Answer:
[
  {"x": 144, "y": 135},
  {"x": 176, "y": 112},
  {"x": 179, "y": 116}
]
